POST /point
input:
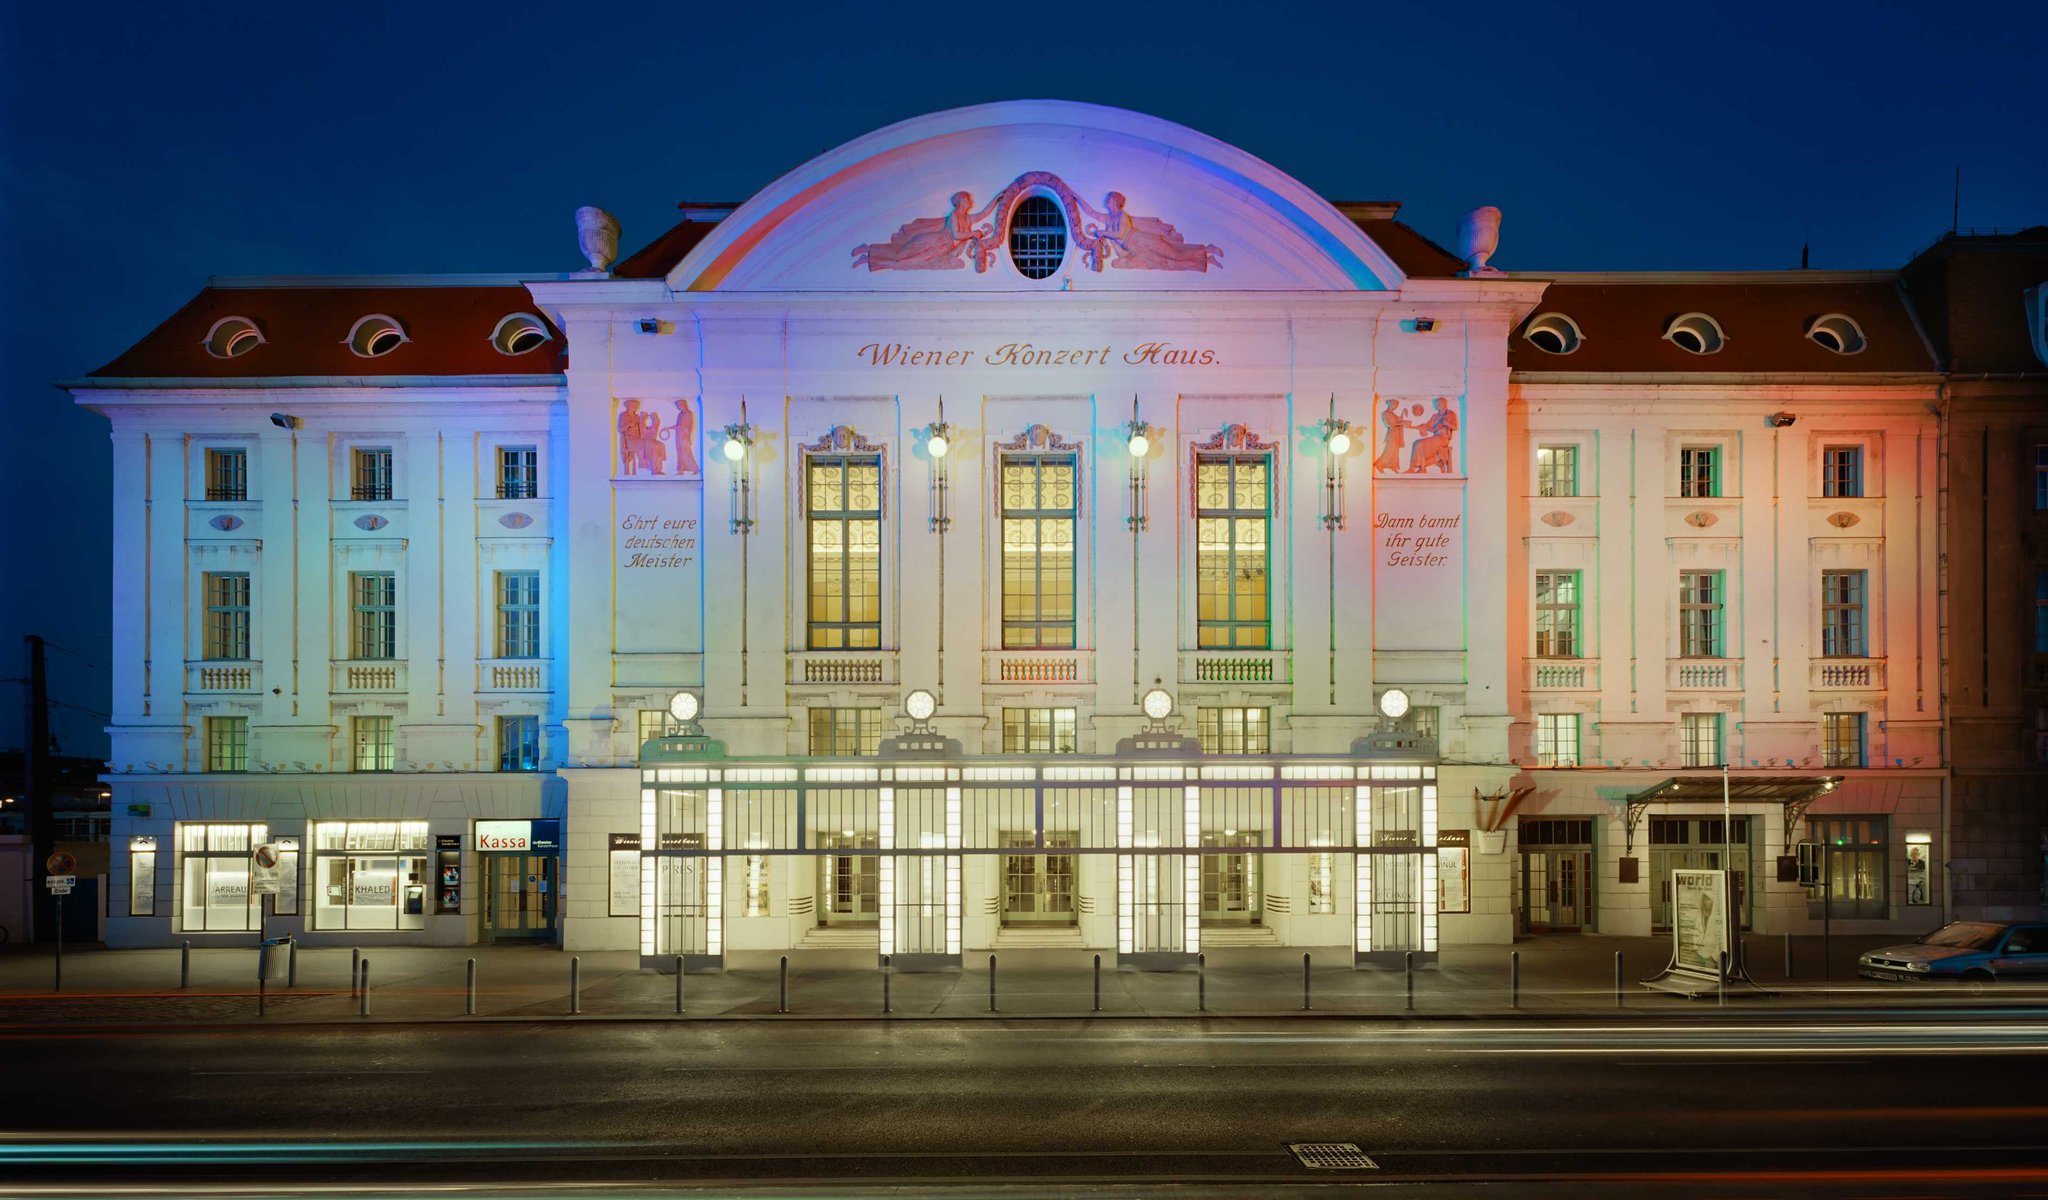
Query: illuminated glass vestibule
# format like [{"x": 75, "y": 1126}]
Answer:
[{"x": 929, "y": 858}]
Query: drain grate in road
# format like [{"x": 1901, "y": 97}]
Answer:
[{"x": 1332, "y": 1156}]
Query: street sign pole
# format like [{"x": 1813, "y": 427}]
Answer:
[{"x": 58, "y": 986}]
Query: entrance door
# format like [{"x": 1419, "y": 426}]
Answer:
[
  {"x": 1038, "y": 889},
  {"x": 519, "y": 896},
  {"x": 1230, "y": 882},
  {"x": 851, "y": 884},
  {"x": 1557, "y": 890}
]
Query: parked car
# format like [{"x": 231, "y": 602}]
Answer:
[{"x": 1968, "y": 952}]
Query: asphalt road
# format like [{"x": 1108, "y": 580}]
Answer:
[{"x": 1926, "y": 1105}]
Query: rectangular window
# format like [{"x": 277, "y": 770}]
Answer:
[
  {"x": 213, "y": 870},
  {"x": 1040, "y": 504},
  {"x": 227, "y": 615},
  {"x": 1841, "y": 472},
  {"x": 1557, "y": 739},
  {"x": 1700, "y": 624},
  {"x": 1232, "y": 517},
  {"x": 1856, "y": 853},
  {"x": 227, "y": 474},
  {"x": 142, "y": 876},
  {"x": 2041, "y": 479},
  {"x": 227, "y": 743},
  {"x": 1233, "y": 730},
  {"x": 1841, "y": 614},
  {"x": 518, "y": 614},
  {"x": 1845, "y": 739},
  {"x": 755, "y": 885},
  {"x": 369, "y": 473},
  {"x": 842, "y": 732},
  {"x": 1700, "y": 739},
  {"x": 1038, "y": 730},
  {"x": 373, "y": 609},
  {"x": 1424, "y": 719},
  {"x": 370, "y": 875},
  {"x": 2041, "y": 612},
  {"x": 1322, "y": 883},
  {"x": 1557, "y": 470},
  {"x": 1699, "y": 471},
  {"x": 653, "y": 721},
  {"x": 371, "y": 744},
  {"x": 1557, "y": 614},
  {"x": 518, "y": 472},
  {"x": 845, "y": 519},
  {"x": 519, "y": 743}
]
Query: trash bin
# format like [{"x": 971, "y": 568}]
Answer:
[{"x": 276, "y": 964}]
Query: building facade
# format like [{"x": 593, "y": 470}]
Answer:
[{"x": 1068, "y": 531}]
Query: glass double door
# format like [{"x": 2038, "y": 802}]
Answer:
[
  {"x": 519, "y": 896},
  {"x": 1557, "y": 890},
  {"x": 1230, "y": 882},
  {"x": 850, "y": 880},
  {"x": 1038, "y": 888}
]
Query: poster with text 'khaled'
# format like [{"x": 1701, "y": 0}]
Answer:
[{"x": 1699, "y": 921}]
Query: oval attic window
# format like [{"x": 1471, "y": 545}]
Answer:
[
  {"x": 1038, "y": 237},
  {"x": 376, "y": 335}
]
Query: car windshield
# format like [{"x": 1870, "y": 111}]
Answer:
[{"x": 1970, "y": 935}]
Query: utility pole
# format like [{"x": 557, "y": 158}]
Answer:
[{"x": 35, "y": 766}]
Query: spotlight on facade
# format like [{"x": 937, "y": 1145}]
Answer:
[
  {"x": 1779, "y": 420},
  {"x": 683, "y": 706},
  {"x": 284, "y": 420},
  {"x": 1158, "y": 704},
  {"x": 920, "y": 705},
  {"x": 1393, "y": 704}
]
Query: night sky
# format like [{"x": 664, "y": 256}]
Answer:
[{"x": 148, "y": 146}]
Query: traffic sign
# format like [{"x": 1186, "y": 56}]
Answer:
[
  {"x": 61, "y": 885},
  {"x": 265, "y": 879},
  {"x": 266, "y": 854},
  {"x": 60, "y": 863}
]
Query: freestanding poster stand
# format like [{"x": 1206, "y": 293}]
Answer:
[{"x": 1706, "y": 949}]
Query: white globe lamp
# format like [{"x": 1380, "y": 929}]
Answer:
[
  {"x": 1393, "y": 704},
  {"x": 735, "y": 449},
  {"x": 938, "y": 445},
  {"x": 1140, "y": 445},
  {"x": 1158, "y": 704},
  {"x": 1340, "y": 444}
]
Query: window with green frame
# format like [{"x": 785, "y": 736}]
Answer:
[
  {"x": 1039, "y": 515},
  {"x": 843, "y": 495},
  {"x": 1233, "y": 518}
]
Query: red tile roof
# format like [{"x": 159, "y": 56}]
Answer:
[
  {"x": 1764, "y": 319},
  {"x": 1416, "y": 255},
  {"x": 660, "y": 256},
  {"x": 305, "y": 328}
]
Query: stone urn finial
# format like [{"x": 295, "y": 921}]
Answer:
[
  {"x": 1478, "y": 238},
  {"x": 597, "y": 235}
]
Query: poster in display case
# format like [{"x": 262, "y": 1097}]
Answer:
[
  {"x": 1454, "y": 870},
  {"x": 625, "y": 874},
  {"x": 448, "y": 873}
]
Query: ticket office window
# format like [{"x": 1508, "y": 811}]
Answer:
[
  {"x": 370, "y": 875},
  {"x": 213, "y": 867}
]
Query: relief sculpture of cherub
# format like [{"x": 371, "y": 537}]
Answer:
[
  {"x": 1118, "y": 239},
  {"x": 935, "y": 243}
]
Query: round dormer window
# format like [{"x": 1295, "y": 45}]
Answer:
[
  {"x": 375, "y": 336},
  {"x": 1553, "y": 333},
  {"x": 1697, "y": 333},
  {"x": 1038, "y": 237},
  {"x": 232, "y": 337},
  {"x": 519, "y": 333},
  {"x": 1837, "y": 333}
]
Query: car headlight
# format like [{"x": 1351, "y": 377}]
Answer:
[{"x": 1920, "y": 967}]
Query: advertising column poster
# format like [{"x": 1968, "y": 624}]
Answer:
[{"x": 1699, "y": 921}]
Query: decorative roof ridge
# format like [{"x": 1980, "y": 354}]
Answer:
[
  {"x": 227, "y": 282},
  {"x": 1787, "y": 276}
]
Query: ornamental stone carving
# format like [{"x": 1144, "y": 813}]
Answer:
[
  {"x": 1842, "y": 520},
  {"x": 1108, "y": 237},
  {"x": 1558, "y": 519},
  {"x": 1701, "y": 519},
  {"x": 597, "y": 235},
  {"x": 1478, "y": 238},
  {"x": 1038, "y": 437}
]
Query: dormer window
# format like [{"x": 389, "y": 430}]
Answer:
[
  {"x": 1553, "y": 333},
  {"x": 375, "y": 336},
  {"x": 232, "y": 337},
  {"x": 519, "y": 333},
  {"x": 1837, "y": 333},
  {"x": 1696, "y": 333}
]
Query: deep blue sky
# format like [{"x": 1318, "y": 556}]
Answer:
[{"x": 147, "y": 146}]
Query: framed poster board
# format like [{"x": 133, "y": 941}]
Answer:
[
  {"x": 1700, "y": 927},
  {"x": 623, "y": 851},
  {"x": 1454, "y": 870}
]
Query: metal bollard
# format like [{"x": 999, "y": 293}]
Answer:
[
  {"x": 291, "y": 969},
  {"x": 1721, "y": 984},
  {"x": 260, "y": 983},
  {"x": 782, "y": 994},
  {"x": 885, "y": 985},
  {"x": 355, "y": 968},
  {"x": 185, "y": 966},
  {"x": 1617, "y": 979},
  {"x": 1304, "y": 983},
  {"x": 991, "y": 983},
  {"x": 469, "y": 990},
  {"x": 1201, "y": 983},
  {"x": 1408, "y": 967},
  {"x": 1098, "y": 983},
  {"x": 679, "y": 985},
  {"x": 363, "y": 990},
  {"x": 1514, "y": 979},
  {"x": 1788, "y": 956},
  {"x": 575, "y": 985}
]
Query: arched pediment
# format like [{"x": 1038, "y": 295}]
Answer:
[{"x": 1137, "y": 203}]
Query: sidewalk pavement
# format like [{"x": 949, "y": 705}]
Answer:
[{"x": 1559, "y": 977}]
